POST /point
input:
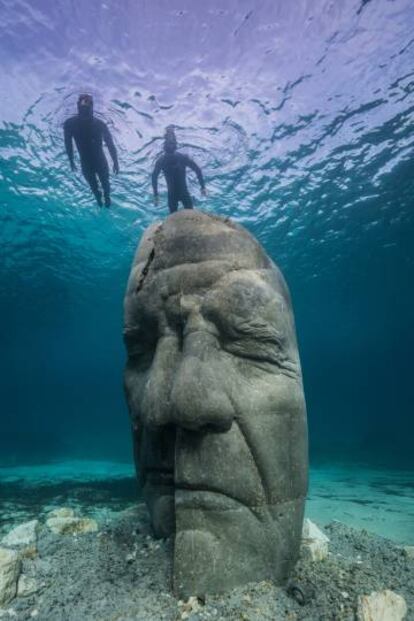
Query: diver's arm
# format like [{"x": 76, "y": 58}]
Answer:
[
  {"x": 191, "y": 164},
  {"x": 154, "y": 178},
  {"x": 111, "y": 147},
  {"x": 68, "y": 143}
]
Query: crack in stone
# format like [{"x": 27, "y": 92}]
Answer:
[
  {"x": 148, "y": 263},
  {"x": 145, "y": 271}
]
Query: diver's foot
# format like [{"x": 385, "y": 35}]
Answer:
[
  {"x": 107, "y": 201},
  {"x": 99, "y": 199}
]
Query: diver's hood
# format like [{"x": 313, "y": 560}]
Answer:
[
  {"x": 170, "y": 141},
  {"x": 85, "y": 107}
]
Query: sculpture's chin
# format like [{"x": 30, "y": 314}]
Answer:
[{"x": 219, "y": 546}]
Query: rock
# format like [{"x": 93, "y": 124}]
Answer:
[
  {"x": 131, "y": 556},
  {"x": 189, "y": 607},
  {"x": 7, "y": 613},
  {"x": 381, "y": 606},
  {"x": 311, "y": 531},
  {"x": 23, "y": 535},
  {"x": 10, "y": 565},
  {"x": 409, "y": 551},
  {"x": 29, "y": 552},
  {"x": 71, "y": 525},
  {"x": 314, "y": 542},
  {"x": 26, "y": 586},
  {"x": 314, "y": 550},
  {"x": 61, "y": 512}
]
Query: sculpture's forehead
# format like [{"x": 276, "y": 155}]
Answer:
[
  {"x": 227, "y": 246},
  {"x": 193, "y": 237},
  {"x": 212, "y": 276},
  {"x": 200, "y": 257},
  {"x": 173, "y": 291},
  {"x": 196, "y": 278}
]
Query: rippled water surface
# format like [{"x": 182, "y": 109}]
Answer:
[{"x": 301, "y": 116}]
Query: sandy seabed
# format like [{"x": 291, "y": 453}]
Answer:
[{"x": 121, "y": 573}]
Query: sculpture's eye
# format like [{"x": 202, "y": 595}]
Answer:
[
  {"x": 255, "y": 340},
  {"x": 252, "y": 324}
]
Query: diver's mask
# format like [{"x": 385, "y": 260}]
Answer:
[{"x": 85, "y": 106}]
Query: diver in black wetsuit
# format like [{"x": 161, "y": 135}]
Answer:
[
  {"x": 173, "y": 164},
  {"x": 88, "y": 133}
]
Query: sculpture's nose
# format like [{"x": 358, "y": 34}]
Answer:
[
  {"x": 189, "y": 379},
  {"x": 199, "y": 398}
]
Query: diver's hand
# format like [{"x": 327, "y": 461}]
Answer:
[
  {"x": 116, "y": 168},
  {"x": 73, "y": 166},
  {"x": 156, "y": 201},
  {"x": 204, "y": 192}
]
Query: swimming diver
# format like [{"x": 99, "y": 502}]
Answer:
[
  {"x": 173, "y": 164},
  {"x": 89, "y": 134}
]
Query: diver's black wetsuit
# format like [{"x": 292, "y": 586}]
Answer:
[
  {"x": 174, "y": 165},
  {"x": 89, "y": 134}
]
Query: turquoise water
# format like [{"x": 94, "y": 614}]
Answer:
[{"x": 301, "y": 117}]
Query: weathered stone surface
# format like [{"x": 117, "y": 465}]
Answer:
[
  {"x": 27, "y": 586},
  {"x": 315, "y": 544},
  {"x": 71, "y": 525},
  {"x": 61, "y": 512},
  {"x": 10, "y": 565},
  {"x": 381, "y": 606},
  {"x": 22, "y": 535},
  {"x": 214, "y": 387},
  {"x": 29, "y": 551}
]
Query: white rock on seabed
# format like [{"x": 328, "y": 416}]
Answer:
[
  {"x": 187, "y": 608},
  {"x": 7, "y": 613},
  {"x": 409, "y": 551},
  {"x": 22, "y": 535},
  {"x": 61, "y": 512},
  {"x": 314, "y": 542},
  {"x": 27, "y": 586},
  {"x": 71, "y": 525},
  {"x": 10, "y": 565},
  {"x": 381, "y": 606}
]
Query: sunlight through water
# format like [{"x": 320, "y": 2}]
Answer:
[{"x": 301, "y": 117}]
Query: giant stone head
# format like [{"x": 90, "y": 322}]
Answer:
[{"x": 214, "y": 388}]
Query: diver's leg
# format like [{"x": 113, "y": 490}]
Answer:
[
  {"x": 187, "y": 201},
  {"x": 172, "y": 202},
  {"x": 103, "y": 174},
  {"x": 90, "y": 176}
]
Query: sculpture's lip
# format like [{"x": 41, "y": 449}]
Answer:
[{"x": 187, "y": 498}]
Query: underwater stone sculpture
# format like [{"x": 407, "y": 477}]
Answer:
[{"x": 214, "y": 388}]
